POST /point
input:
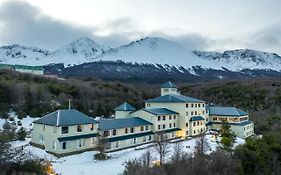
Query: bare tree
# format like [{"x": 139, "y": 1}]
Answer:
[
  {"x": 201, "y": 146},
  {"x": 177, "y": 152},
  {"x": 161, "y": 146},
  {"x": 101, "y": 147}
]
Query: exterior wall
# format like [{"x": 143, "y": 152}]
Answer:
[
  {"x": 243, "y": 131},
  {"x": 197, "y": 127},
  {"x": 186, "y": 111},
  {"x": 128, "y": 142},
  {"x": 122, "y": 114},
  {"x": 239, "y": 130},
  {"x": 166, "y": 91},
  {"x": 52, "y": 133},
  {"x": 30, "y": 71}
]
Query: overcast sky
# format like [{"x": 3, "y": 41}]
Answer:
[{"x": 196, "y": 24}]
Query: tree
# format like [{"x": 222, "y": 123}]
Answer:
[
  {"x": 161, "y": 146},
  {"x": 201, "y": 146},
  {"x": 227, "y": 136},
  {"x": 101, "y": 147},
  {"x": 8, "y": 132},
  {"x": 21, "y": 134}
]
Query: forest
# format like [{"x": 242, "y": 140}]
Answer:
[{"x": 260, "y": 97}]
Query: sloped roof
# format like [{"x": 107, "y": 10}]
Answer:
[
  {"x": 174, "y": 98},
  {"x": 160, "y": 111},
  {"x": 125, "y": 107},
  {"x": 169, "y": 85},
  {"x": 130, "y": 136},
  {"x": 76, "y": 137},
  {"x": 65, "y": 118},
  {"x": 196, "y": 118},
  {"x": 226, "y": 111},
  {"x": 107, "y": 124}
]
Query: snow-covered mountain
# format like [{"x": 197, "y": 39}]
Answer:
[
  {"x": 155, "y": 50},
  {"x": 78, "y": 52},
  {"x": 17, "y": 54},
  {"x": 151, "y": 50},
  {"x": 242, "y": 59}
]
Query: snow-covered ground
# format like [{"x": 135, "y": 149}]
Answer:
[
  {"x": 26, "y": 122},
  {"x": 84, "y": 163}
]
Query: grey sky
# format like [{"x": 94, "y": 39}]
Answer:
[{"x": 196, "y": 24}]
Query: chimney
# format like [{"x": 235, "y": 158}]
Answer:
[{"x": 69, "y": 104}]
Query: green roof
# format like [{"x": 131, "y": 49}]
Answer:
[
  {"x": 169, "y": 130},
  {"x": 125, "y": 107},
  {"x": 77, "y": 137},
  {"x": 107, "y": 124},
  {"x": 175, "y": 98},
  {"x": 196, "y": 118},
  {"x": 169, "y": 85},
  {"x": 10, "y": 66},
  {"x": 226, "y": 111},
  {"x": 160, "y": 111},
  {"x": 65, "y": 118},
  {"x": 131, "y": 136}
]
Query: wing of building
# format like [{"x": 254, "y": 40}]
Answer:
[{"x": 170, "y": 115}]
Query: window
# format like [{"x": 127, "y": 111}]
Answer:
[
  {"x": 54, "y": 129},
  {"x": 192, "y": 105},
  {"x": 126, "y": 130},
  {"x": 187, "y": 133},
  {"x": 63, "y": 145},
  {"x": 135, "y": 140},
  {"x": 141, "y": 128},
  {"x": 164, "y": 126},
  {"x": 148, "y": 104},
  {"x": 174, "y": 124},
  {"x": 64, "y": 130},
  {"x": 203, "y": 105},
  {"x": 91, "y": 127},
  {"x": 159, "y": 118},
  {"x": 194, "y": 131},
  {"x": 195, "y": 105},
  {"x": 132, "y": 130},
  {"x": 159, "y": 127},
  {"x": 114, "y": 132},
  {"x": 41, "y": 138},
  {"x": 93, "y": 140},
  {"x": 186, "y": 105},
  {"x": 149, "y": 137},
  {"x": 170, "y": 117},
  {"x": 164, "y": 117},
  {"x": 170, "y": 125},
  {"x": 44, "y": 127},
  {"x": 173, "y": 134},
  {"x": 54, "y": 145},
  {"x": 146, "y": 128},
  {"x": 186, "y": 113},
  {"x": 117, "y": 144},
  {"x": 199, "y": 105},
  {"x": 194, "y": 123},
  {"x": 166, "y": 90},
  {"x": 203, "y": 112},
  {"x": 215, "y": 118},
  {"x": 198, "y": 123},
  {"x": 174, "y": 117},
  {"x": 191, "y": 112},
  {"x": 195, "y": 112},
  {"x": 144, "y": 139},
  {"x": 106, "y": 133},
  {"x": 80, "y": 143},
  {"x": 186, "y": 124},
  {"x": 79, "y": 128}
]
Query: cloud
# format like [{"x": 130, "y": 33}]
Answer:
[{"x": 23, "y": 23}]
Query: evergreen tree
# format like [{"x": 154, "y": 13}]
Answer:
[{"x": 21, "y": 134}]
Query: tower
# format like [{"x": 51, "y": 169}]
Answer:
[
  {"x": 169, "y": 88},
  {"x": 124, "y": 110}
]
